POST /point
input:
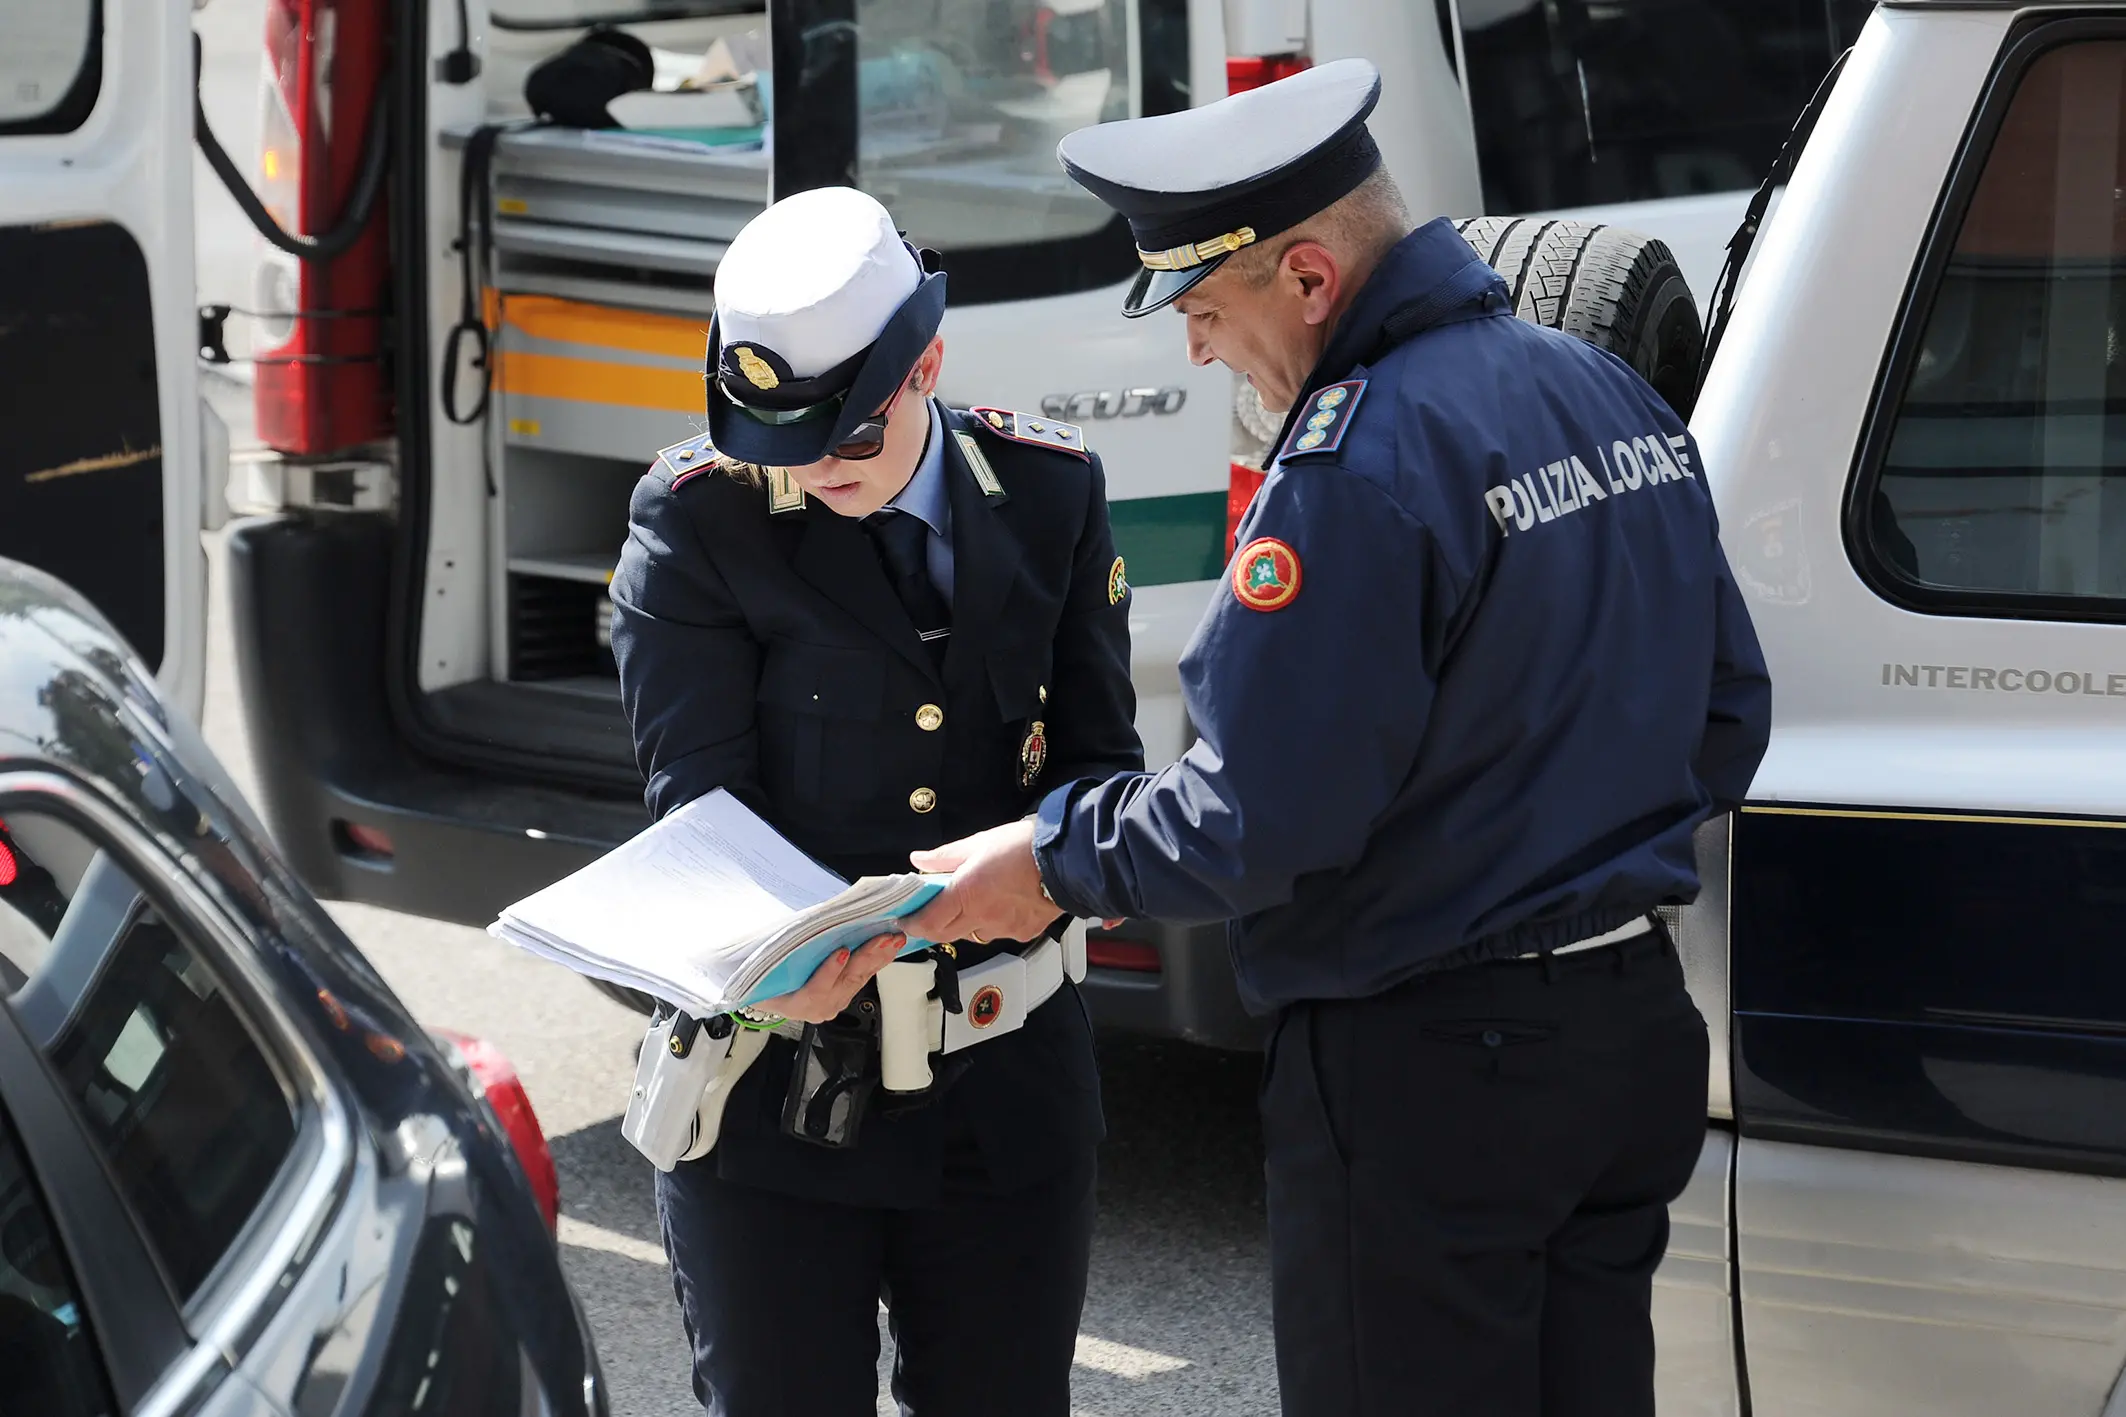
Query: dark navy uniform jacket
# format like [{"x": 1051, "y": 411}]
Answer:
[
  {"x": 1478, "y": 670},
  {"x": 765, "y": 652}
]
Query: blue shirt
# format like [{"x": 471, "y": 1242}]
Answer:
[
  {"x": 1477, "y": 672},
  {"x": 925, "y": 499}
]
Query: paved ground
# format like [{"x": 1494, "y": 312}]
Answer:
[{"x": 1178, "y": 1316}]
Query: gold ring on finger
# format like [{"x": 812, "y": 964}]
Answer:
[{"x": 976, "y": 936}]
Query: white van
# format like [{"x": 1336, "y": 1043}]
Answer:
[
  {"x": 434, "y": 709},
  {"x": 1911, "y": 947}
]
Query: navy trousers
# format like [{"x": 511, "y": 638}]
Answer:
[
  {"x": 780, "y": 1294},
  {"x": 1469, "y": 1180}
]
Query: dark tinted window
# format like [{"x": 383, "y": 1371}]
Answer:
[
  {"x": 48, "y": 1362},
  {"x": 2004, "y": 475},
  {"x": 171, "y": 1084},
  {"x": 1578, "y": 104}
]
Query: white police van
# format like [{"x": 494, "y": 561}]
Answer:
[
  {"x": 422, "y": 646},
  {"x": 1913, "y": 1194}
]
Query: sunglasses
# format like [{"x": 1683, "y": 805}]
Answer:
[{"x": 862, "y": 443}]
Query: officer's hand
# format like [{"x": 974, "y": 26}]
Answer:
[
  {"x": 835, "y": 984},
  {"x": 995, "y": 892}
]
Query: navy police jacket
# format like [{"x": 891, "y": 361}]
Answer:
[
  {"x": 762, "y": 649},
  {"x": 1478, "y": 670}
]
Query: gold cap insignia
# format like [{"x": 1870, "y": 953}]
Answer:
[{"x": 756, "y": 369}]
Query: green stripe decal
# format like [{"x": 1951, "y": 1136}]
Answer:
[{"x": 1167, "y": 540}]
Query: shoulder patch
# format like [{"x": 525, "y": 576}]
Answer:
[
  {"x": 684, "y": 460},
  {"x": 1265, "y": 574},
  {"x": 1328, "y": 415},
  {"x": 1035, "y": 432}
]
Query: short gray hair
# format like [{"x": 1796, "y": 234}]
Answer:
[{"x": 1361, "y": 225}]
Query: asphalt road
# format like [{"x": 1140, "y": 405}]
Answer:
[{"x": 1177, "y": 1319}]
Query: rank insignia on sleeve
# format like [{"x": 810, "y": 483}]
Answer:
[
  {"x": 1328, "y": 413},
  {"x": 1266, "y": 574},
  {"x": 1117, "y": 583}
]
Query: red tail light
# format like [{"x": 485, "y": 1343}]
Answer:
[
  {"x": 319, "y": 385},
  {"x": 1111, "y": 952},
  {"x": 1241, "y": 484},
  {"x": 8, "y": 869},
  {"x": 495, "y": 1081},
  {"x": 1244, "y": 72}
]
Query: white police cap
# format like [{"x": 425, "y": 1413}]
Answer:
[
  {"x": 815, "y": 298},
  {"x": 812, "y": 280},
  {"x": 1198, "y": 185}
]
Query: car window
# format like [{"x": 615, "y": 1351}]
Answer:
[
  {"x": 171, "y": 1084},
  {"x": 2001, "y": 482},
  {"x": 1578, "y": 104},
  {"x": 48, "y": 1361},
  {"x": 48, "y": 64}
]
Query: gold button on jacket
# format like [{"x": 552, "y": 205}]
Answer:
[
  {"x": 929, "y": 718},
  {"x": 922, "y": 799}
]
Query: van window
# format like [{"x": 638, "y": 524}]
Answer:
[
  {"x": 1577, "y": 105},
  {"x": 960, "y": 106},
  {"x": 2000, "y": 475},
  {"x": 50, "y": 64},
  {"x": 170, "y": 1083}
]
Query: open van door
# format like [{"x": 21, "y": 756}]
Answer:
[{"x": 100, "y": 470}]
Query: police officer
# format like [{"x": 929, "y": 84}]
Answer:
[
  {"x": 881, "y": 623},
  {"x": 1477, "y": 672}
]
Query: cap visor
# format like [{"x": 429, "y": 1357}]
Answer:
[
  {"x": 770, "y": 445},
  {"x": 1155, "y": 290}
]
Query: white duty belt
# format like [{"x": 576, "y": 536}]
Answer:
[
  {"x": 1630, "y": 931},
  {"x": 996, "y": 996}
]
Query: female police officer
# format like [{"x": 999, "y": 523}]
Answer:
[{"x": 881, "y": 623}]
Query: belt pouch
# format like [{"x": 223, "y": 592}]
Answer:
[{"x": 831, "y": 1082}]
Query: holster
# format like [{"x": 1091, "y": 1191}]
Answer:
[{"x": 683, "y": 1078}]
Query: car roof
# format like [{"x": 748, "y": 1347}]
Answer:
[{"x": 74, "y": 696}]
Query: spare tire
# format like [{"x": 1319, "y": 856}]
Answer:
[{"x": 1614, "y": 288}]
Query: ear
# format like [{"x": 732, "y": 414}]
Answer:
[
  {"x": 929, "y": 366},
  {"x": 1313, "y": 273}
]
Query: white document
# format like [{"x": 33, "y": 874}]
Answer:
[{"x": 709, "y": 909}]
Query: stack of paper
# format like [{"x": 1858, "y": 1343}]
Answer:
[{"x": 709, "y": 909}]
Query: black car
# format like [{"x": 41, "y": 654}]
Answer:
[{"x": 236, "y": 1177}]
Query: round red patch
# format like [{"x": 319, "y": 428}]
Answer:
[
  {"x": 986, "y": 1007},
  {"x": 1266, "y": 574}
]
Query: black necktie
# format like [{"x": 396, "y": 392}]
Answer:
[{"x": 902, "y": 543}]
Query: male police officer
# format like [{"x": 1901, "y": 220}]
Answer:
[
  {"x": 881, "y": 623},
  {"x": 1478, "y": 671}
]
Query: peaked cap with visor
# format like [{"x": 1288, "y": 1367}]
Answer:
[
  {"x": 821, "y": 311},
  {"x": 1198, "y": 185}
]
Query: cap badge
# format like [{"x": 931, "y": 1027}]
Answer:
[
  {"x": 756, "y": 369},
  {"x": 1033, "y": 753},
  {"x": 1117, "y": 583},
  {"x": 1266, "y": 574}
]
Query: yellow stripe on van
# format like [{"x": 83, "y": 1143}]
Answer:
[
  {"x": 551, "y": 376},
  {"x": 552, "y": 318}
]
